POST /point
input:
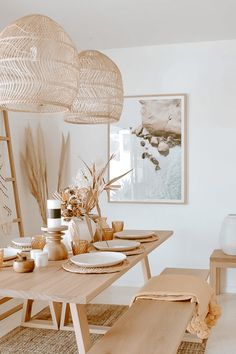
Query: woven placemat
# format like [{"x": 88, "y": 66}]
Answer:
[
  {"x": 141, "y": 240},
  {"x": 138, "y": 250},
  {"x": 135, "y": 251},
  {"x": 73, "y": 268}
]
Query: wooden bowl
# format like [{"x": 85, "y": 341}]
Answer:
[{"x": 23, "y": 266}]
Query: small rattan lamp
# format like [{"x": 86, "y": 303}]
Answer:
[
  {"x": 100, "y": 94},
  {"x": 38, "y": 66}
]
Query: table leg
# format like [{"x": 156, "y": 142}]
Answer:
[
  {"x": 28, "y": 321},
  {"x": 218, "y": 271},
  {"x": 215, "y": 277},
  {"x": 27, "y": 310},
  {"x": 146, "y": 268},
  {"x": 81, "y": 328},
  {"x": 65, "y": 316}
]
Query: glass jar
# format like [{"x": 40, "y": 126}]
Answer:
[{"x": 38, "y": 242}]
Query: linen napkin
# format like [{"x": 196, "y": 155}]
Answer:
[{"x": 179, "y": 287}]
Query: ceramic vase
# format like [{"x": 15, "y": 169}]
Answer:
[
  {"x": 101, "y": 224},
  {"x": 228, "y": 235},
  {"x": 78, "y": 229}
]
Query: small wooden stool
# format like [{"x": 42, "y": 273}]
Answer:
[{"x": 219, "y": 260}]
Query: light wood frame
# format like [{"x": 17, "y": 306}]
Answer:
[{"x": 184, "y": 175}]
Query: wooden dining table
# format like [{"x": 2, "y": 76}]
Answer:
[{"x": 66, "y": 291}]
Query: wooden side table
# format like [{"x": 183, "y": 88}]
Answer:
[{"x": 219, "y": 260}]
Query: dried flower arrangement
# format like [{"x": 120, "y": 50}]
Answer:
[
  {"x": 34, "y": 166},
  {"x": 79, "y": 200}
]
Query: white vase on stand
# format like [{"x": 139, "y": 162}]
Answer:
[
  {"x": 228, "y": 235},
  {"x": 78, "y": 229}
]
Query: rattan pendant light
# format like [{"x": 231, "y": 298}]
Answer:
[
  {"x": 100, "y": 95},
  {"x": 38, "y": 66}
]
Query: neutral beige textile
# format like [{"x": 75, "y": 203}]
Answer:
[{"x": 178, "y": 287}]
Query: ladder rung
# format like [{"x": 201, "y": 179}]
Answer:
[
  {"x": 16, "y": 220},
  {"x": 5, "y": 299},
  {"x": 4, "y": 138},
  {"x": 10, "y": 179}
]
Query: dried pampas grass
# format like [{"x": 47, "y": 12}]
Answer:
[
  {"x": 62, "y": 161},
  {"x": 34, "y": 165}
]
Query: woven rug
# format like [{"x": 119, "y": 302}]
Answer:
[{"x": 42, "y": 341}]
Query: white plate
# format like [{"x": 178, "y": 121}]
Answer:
[
  {"x": 98, "y": 259},
  {"x": 116, "y": 245},
  {"x": 135, "y": 234},
  {"x": 22, "y": 241},
  {"x": 10, "y": 253}
]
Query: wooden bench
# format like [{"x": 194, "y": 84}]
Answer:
[
  {"x": 150, "y": 327},
  {"x": 219, "y": 260}
]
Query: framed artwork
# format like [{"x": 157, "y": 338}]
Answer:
[{"x": 150, "y": 139}]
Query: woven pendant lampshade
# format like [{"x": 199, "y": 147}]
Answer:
[
  {"x": 100, "y": 95},
  {"x": 38, "y": 66}
]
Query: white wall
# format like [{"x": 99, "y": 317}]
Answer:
[{"x": 206, "y": 72}]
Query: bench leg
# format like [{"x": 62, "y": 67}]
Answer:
[
  {"x": 146, "y": 268},
  {"x": 81, "y": 328}
]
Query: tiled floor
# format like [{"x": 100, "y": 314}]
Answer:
[{"x": 221, "y": 341}]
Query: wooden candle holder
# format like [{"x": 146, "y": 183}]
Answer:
[{"x": 56, "y": 250}]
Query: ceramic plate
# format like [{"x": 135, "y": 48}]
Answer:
[
  {"x": 116, "y": 245},
  {"x": 134, "y": 234},
  {"x": 22, "y": 241},
  {"x": 98, "y": 259},
  {"x": 10, "y": 253}
]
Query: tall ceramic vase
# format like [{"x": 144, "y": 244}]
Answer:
[
  {"x": 228, "y": 235},
  {"x": 82, "y": 229}
]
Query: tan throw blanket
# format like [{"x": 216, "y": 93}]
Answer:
[{"x": 178, "y": 287}]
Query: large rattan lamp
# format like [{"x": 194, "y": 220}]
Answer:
[
  {"x": 100, "y": 95},
  {"x": 38, "y": 66}
]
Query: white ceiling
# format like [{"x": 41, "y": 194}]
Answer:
[{"x": 103, "y": 24}]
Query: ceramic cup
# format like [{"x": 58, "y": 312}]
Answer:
[
  {"x": 107, "y": 234},
  {"x": 117, "y": 226},
  {"x": 34, "y": 252},
  {"x": 1, "y": 256},
  {"x": 41, "y": 259}
]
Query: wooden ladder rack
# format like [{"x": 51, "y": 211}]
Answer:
[
  {"x": 18, "y": 219},
  {"x": 12, "y": 179}
]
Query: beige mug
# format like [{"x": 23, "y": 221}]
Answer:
[{"x": 117, "y": 226}]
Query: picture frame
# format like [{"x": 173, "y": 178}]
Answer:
[{"x": 150, "y": 139}]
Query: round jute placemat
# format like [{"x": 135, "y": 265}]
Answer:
[
  {"x": 138, "y": 250},
  {"x": 135, "y": 251},
  {"x": 142, "y": 240},
  {"x": 73, "y": 268}
]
